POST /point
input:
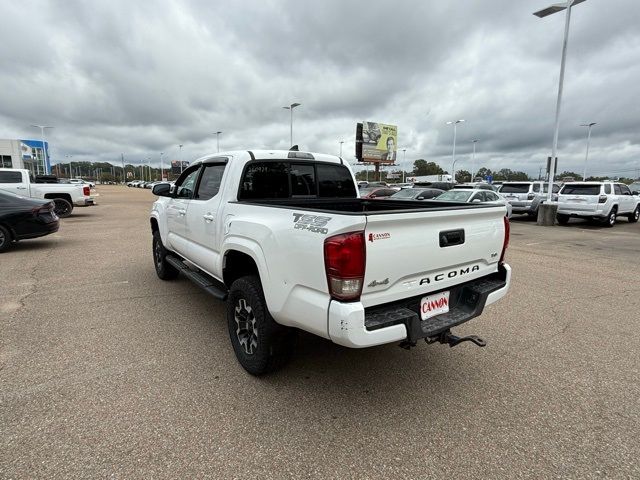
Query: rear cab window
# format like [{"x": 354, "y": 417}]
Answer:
[
  {"x": 286, "y": 179},
  {"x": 10, "y": 177}
]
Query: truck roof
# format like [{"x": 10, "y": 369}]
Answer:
[{"x": 274, "y": 154}]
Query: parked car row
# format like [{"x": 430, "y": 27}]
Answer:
[
  {"x": 601, "y": 201},
  {"x": 463, "y": 193},
  {"x": 142, "y": 184}
]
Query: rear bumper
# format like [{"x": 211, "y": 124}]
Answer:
[
  {"x": 39, "y": 230},
  {"x": 351, "y": 325},
  {"x": 85, "y": 202},
  {"x": 598, "y": 212}
]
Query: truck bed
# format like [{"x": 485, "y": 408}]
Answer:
[{"x": 362, "y": 206}]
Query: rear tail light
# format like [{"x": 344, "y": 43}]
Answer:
[
  {"x": 602, "y": 199},
  {"x": 46, "y": 208},
  {"x": 531, "y": 196},
  {"x": 505, "y": 243},
  {"x": 86, "y": 191},
  {"x": 344, "y": 262}
]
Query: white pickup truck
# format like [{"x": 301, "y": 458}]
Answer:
[
  {"x": 64, "y": 195},
  {"x": 283, "y": 237}
]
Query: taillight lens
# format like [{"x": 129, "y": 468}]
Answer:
[
  {"x": 602, "y": 199},
  {"x": 86, "y": 191},
  {"x": 531, "y": 196},
  {"x": 505, "y": 244},
  {"x": 344, "y": 262},
  {"x": 46, "y": 208}
]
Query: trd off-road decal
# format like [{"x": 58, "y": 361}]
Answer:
[{"x": 313, "y": 223}]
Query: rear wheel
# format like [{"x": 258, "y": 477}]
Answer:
[
  {"x": 62, "y": 207},
  {"x": 5, "y": 239},
  {"x": 610, "y": 221},
  {"x": 562, "y": 219},
  {"x": 164, "y": 270},
  {"x": 635, "y": 215},
  {"x": 261, "y": 345}
]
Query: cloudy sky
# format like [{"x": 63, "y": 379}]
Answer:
[{"x": 141, "y": 77}]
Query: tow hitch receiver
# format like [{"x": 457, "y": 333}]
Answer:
[{"x": 453, "y": 340}]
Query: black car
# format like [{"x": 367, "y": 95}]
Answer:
[{"x": 22, "y": 218}]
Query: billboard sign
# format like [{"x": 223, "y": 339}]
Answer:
[
  {"x": 379, "y": 142},
  {"x": 177, "y": 168}
]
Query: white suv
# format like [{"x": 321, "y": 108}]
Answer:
[
  {"x": 599, "y": 200},
  {"x": 525, "y": 197}
]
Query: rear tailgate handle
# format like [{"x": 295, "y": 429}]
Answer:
[{"x": 449, "y": 238}]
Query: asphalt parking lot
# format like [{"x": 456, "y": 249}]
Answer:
[{"x": 107, "y": 371}]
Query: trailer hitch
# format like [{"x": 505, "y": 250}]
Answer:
[{"x": 453, "y": 340}]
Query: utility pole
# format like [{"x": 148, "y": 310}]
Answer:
[{"x": 124, "y": 172}]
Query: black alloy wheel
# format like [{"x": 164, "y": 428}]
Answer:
[
  {"x": 5, "y": 239},
  {"x": 164, "y": 270},
  {"x": 261, "y": 345},
  {"x": 62, "y": 207}
]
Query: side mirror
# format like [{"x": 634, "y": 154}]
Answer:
[
  {"x": 420, "y": 198},
  {"x": 162, "y": 190},
  {"x": 476, "y": 200}
]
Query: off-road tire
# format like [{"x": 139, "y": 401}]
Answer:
[
  {"x": 62, "y": 207},
  {"x": 261, "y": 345},
  {"x": 562, "y": 219},
  {"x": 5, "y": 239},
  {"x": 635, "y": 215},
  {"x": 610, "y": 221},
  {"x": 164, "y": 270}
]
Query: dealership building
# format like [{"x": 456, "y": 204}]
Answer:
[{"x": 27, "y": 154}]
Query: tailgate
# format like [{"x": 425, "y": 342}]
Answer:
[
  {"x": 578, "y": 203},
  {"x": 414, "y": 253}
]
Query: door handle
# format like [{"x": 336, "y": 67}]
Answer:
[
  {"x": 21, "y": 188},
  {"x": 208, "y": 218}
]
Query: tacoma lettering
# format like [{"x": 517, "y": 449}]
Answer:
[{"x": 452, "y": 274}]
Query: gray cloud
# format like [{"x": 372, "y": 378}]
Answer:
[{"x": 143, "y": 77}]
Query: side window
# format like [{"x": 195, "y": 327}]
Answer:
[
  {"x": 210, "y": 181},
  {"x": 335, "y": 181},
  {"x": 616, "y": 189},
  {"x": 491, "y": 197},
  {"x": 303, "y": 180},
  {"x": 625, "y": 190},
  {"x": 187, "y": 183},
  {"x": 265, "y": 180},
  {"x": 10, "y": 177},
  {"x": 555, "y": 189},
  {"x": 536, "y": 187},
  {"x": 607, "y": 188}
]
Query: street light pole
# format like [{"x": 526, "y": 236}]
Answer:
[
  {"x": 217, "y": 134},
  {"x": 180, "y": 156},
  {"x": 161, "y": 167},
  {"x": 541, "y": 14},
  {"x": 453, "y": 160},
  {"x": 404, "y": 162},
  {"x": 341, "y": 142},
  {"x": 44, "y": 150},
  {"x": 290, "y": 108},
  {"x": 586, "y": 156},
  {"x": 70, "y": 173},
  {"x": 473, "y": 158}
]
